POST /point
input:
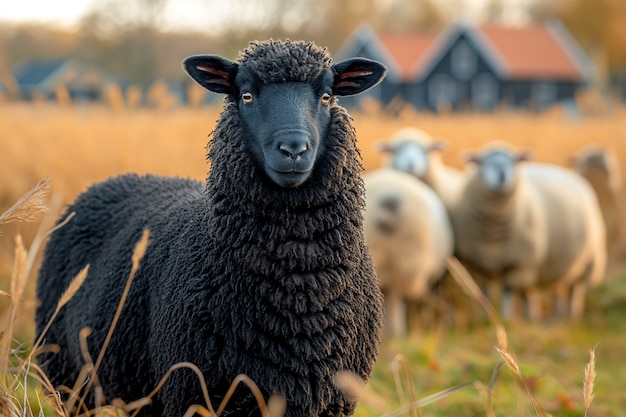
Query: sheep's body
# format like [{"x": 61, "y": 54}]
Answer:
[
  {"x": 540, "y": 227},
  {"x": 410, "y": 237},
  {"x": 416, "y": 152},
  {"x": 600, "y": 167},
  {"x": 263, "y": 271}
]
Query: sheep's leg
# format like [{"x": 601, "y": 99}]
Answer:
[
  {"x": 495, "y": 292},
  {"x": 562, "y": 300},
  {"x": 512, "y": 304},
  {"x": 395, "y": 315},
  {"x": 522, "y": 280},
  {"x": 578, "y": 300},
  {"x": 533, "y": 304},
  {"x": 482, "y": 281}
]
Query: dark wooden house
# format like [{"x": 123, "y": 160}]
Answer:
[
  {"x": 42, "y": 78},
  {"x": 474, "y": 67}
]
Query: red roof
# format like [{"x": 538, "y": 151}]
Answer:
[
  {"x": 406, "y": 49},
  {"x": 531, "y": 51}
]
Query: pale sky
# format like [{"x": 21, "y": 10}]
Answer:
[
  {"x": 192, "y": 14},
  {"x": 179, "y": 13},
  {"x": 63, "y": 12}
]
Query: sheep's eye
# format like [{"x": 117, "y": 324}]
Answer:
[
  {"x": 247, "y": 98},
  {"x": 325, "y": 99}
]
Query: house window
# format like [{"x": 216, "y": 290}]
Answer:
[
  {"x": 441, "y": 92},
  {"x": 543, "y": 93},
  {"x": 463, "y": 61},
  {"x": 484, "y": 91}
]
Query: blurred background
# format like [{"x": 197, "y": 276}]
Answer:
[
  {"x": 95, "y": 88},
  {"x": 137, "y": 43}
]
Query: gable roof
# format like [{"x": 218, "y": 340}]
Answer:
[
  {"x": 448, "y": 37},
  {"x": 43, "y": 77},
  {"x": 36, "y": 72},
  {"x": 532, "y": 51},
  {"x": 407, "y": 49},
  {"x": 398, "y": 51},
  {"x": 541, "y": 50},
  {"x": 47, "y": 74}
]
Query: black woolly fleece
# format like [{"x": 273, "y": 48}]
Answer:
[{"x": 242, "y": 276}]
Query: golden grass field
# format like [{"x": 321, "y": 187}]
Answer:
[
  {"x": 80, "y": 145},
  {"x": 76, "y": 146}
]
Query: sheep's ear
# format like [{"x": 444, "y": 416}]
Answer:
[
  {"x": 572, "y": 161},
  {"x": 212, "y": 72},
  {"x": 438, "y": 146},
  {"x": 471, "y": 158},
  {"x": 383, "y": 147},
  {"x": 356, "y": 75},
  {"x": 524, "y": 156}
]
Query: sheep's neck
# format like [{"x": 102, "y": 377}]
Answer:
[
  {"x": 288, "y": 251},
  {"x": 492, "y": 215},
  {"x": 430, "y": 178},
  {"x": 295, "y": 271}
]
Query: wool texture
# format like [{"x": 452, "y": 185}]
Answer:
[
  {"x": 241, "y": 275},
  {"x": 281, "y": 61}
]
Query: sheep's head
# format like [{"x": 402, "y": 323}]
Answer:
[
  {"x": 410, "y": 150},
  {"x": 497, "y": 168},
  {"x": 284, "y": 92},
  {"x": 600, "y": 167},
  {"x": 594, "y": 160}
]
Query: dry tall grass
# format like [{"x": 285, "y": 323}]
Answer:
[
  {"x": 552, "y": 136},
  {"x": 20, "y": 374},
  {"x": 80, "y": 145},
  {"x": 13, "y": 370}
]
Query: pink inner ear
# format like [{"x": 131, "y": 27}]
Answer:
[
  {"x": 341, "y": 84},
  {"x": 437, "y": 146},
  {"x": 211, "y": 70},
  {"x": 351, "y": 74},
  {"x": 472, "y": 158}
]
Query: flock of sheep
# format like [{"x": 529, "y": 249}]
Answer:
[{"x": 522, "y": 229}]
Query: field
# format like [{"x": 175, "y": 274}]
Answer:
[{"x": 76, "y": 146}]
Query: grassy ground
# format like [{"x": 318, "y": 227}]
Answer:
[
  {"x": 551, "y": 357},
  {"x": 78, "y": 146}
]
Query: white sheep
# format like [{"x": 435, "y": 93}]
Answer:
[
  {"x": 409, "y": 236},
  {"x": 601, "y": 168},
  {"x": 414, "y": 151},
  {"x": 530, "y": 226}
]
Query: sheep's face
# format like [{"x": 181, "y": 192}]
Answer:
[
  {"x": 411, "y": 156},
  {"x": 593, "y": 161},
  {"x": 285, "y": 125},
  {"x": 410, "y": 148},
  {"x": 498, "y": 169},
  {"x": 285, "y": 122}
]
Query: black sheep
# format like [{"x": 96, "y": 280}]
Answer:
[{"x": 262, "y": 271}]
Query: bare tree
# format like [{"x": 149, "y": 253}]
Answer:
[
  {"x": 598, "y": 25},
  {"x": 126, "y": 29}
]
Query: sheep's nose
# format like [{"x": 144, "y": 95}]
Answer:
[
  {"x": 502, "y": 177},
  {"x": 293, "y": 149}
]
